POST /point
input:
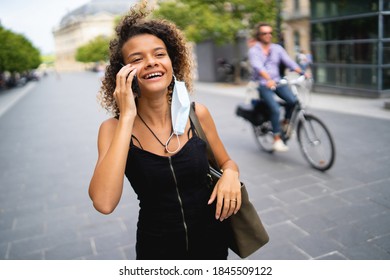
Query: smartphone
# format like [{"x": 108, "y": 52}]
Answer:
[{"x": 134, "y": 85}]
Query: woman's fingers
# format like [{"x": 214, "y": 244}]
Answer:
[
  {"x": 228, "y": 198},
  {"x": 123, "y": 94},
  {"x": 124, "y": 77},
  {"x": 227, "y": 205}
]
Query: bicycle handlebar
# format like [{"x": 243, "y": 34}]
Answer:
[{"x": 295, "y": 81}]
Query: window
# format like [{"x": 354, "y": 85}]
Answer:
[
  {"x": 359, "y": 28},
  {"x": 297, "y": 40},
  {"x": 386, "y": 5},
  {"x": 386, "y": 24},
  {"x": 296, "y": 6},
  {"x": 332, "y": 8},
  {"x": 386, "y": 78},
  {"x": 386, "y": 53},
  {"x": 351, "y": 53},
  {"x": 354, "y": 77}
]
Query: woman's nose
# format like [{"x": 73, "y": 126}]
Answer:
[{"x": 151, "y": 61}]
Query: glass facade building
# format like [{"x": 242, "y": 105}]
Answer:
[{"x": 350, "y": 42}]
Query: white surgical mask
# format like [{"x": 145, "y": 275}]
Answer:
[{"x": 180, "y": 107}]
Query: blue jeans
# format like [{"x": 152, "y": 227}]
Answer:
[{"x": 285, "y": 93}]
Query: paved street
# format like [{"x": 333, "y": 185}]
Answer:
[{"x": 48, "y": 152}]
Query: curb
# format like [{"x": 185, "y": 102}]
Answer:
[{"x": 10, "y": 97}]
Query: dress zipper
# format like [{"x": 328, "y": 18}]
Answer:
[{"x": 180, "y": 202}]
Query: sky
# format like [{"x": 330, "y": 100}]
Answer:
[{"x": 35, "y": 19}]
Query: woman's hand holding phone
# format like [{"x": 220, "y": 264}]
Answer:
[{"x": 124, "y": 93}]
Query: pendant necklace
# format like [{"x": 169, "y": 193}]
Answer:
[{"x": 159, "y": 141}]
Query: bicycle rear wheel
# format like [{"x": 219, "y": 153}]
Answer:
[
  {"x": 264, "y": 136},
  {"x": 316, "y": 142}
]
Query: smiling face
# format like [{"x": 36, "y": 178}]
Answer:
[{"x": 149, "y": 55}]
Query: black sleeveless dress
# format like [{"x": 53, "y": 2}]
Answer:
[{"x": 175, "y": 221}]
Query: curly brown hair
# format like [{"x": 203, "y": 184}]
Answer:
[{"x": 136, "y": 22}]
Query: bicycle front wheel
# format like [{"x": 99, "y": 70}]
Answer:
[{"x": 316, "y": 142}]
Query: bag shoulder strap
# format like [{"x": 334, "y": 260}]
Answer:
[{"x": 202, "y": 135}]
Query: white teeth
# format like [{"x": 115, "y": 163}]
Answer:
[{"x": 152, "y": 75}]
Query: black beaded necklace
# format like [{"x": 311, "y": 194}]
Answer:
[{"x": 159, "y": 141}]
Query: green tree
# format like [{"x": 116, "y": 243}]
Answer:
[
  {"x": 17, "y": 53},
  {"x": 94, "y": 51},
  {"x": 220, "y": 21}
]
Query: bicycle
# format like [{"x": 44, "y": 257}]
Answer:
[{"x": 314, "y": 138}]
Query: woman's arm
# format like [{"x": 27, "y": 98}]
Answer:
[
  {"x": 106, "y": 185},
  {"x": 228, "y": 189}
]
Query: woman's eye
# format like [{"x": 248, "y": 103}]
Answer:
[{"x": 136, "y": 60}]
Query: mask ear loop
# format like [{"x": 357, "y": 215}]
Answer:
[
  {"x": 169, "y": 140},
  {"x": 173, "y": 133}
]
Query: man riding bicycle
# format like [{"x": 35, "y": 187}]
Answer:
[{"x": 265, "y": 59}]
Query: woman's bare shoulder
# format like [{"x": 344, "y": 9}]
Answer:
[
  {"x": 201, "y": 111},
  {"x": 108, "y": 126}
]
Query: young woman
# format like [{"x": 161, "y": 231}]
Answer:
[{"x": 180, "y": 216}]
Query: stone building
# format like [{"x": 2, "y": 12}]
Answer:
[
  {"x": 83, "y": 24},
  {"x": 296, "y": 26}
]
